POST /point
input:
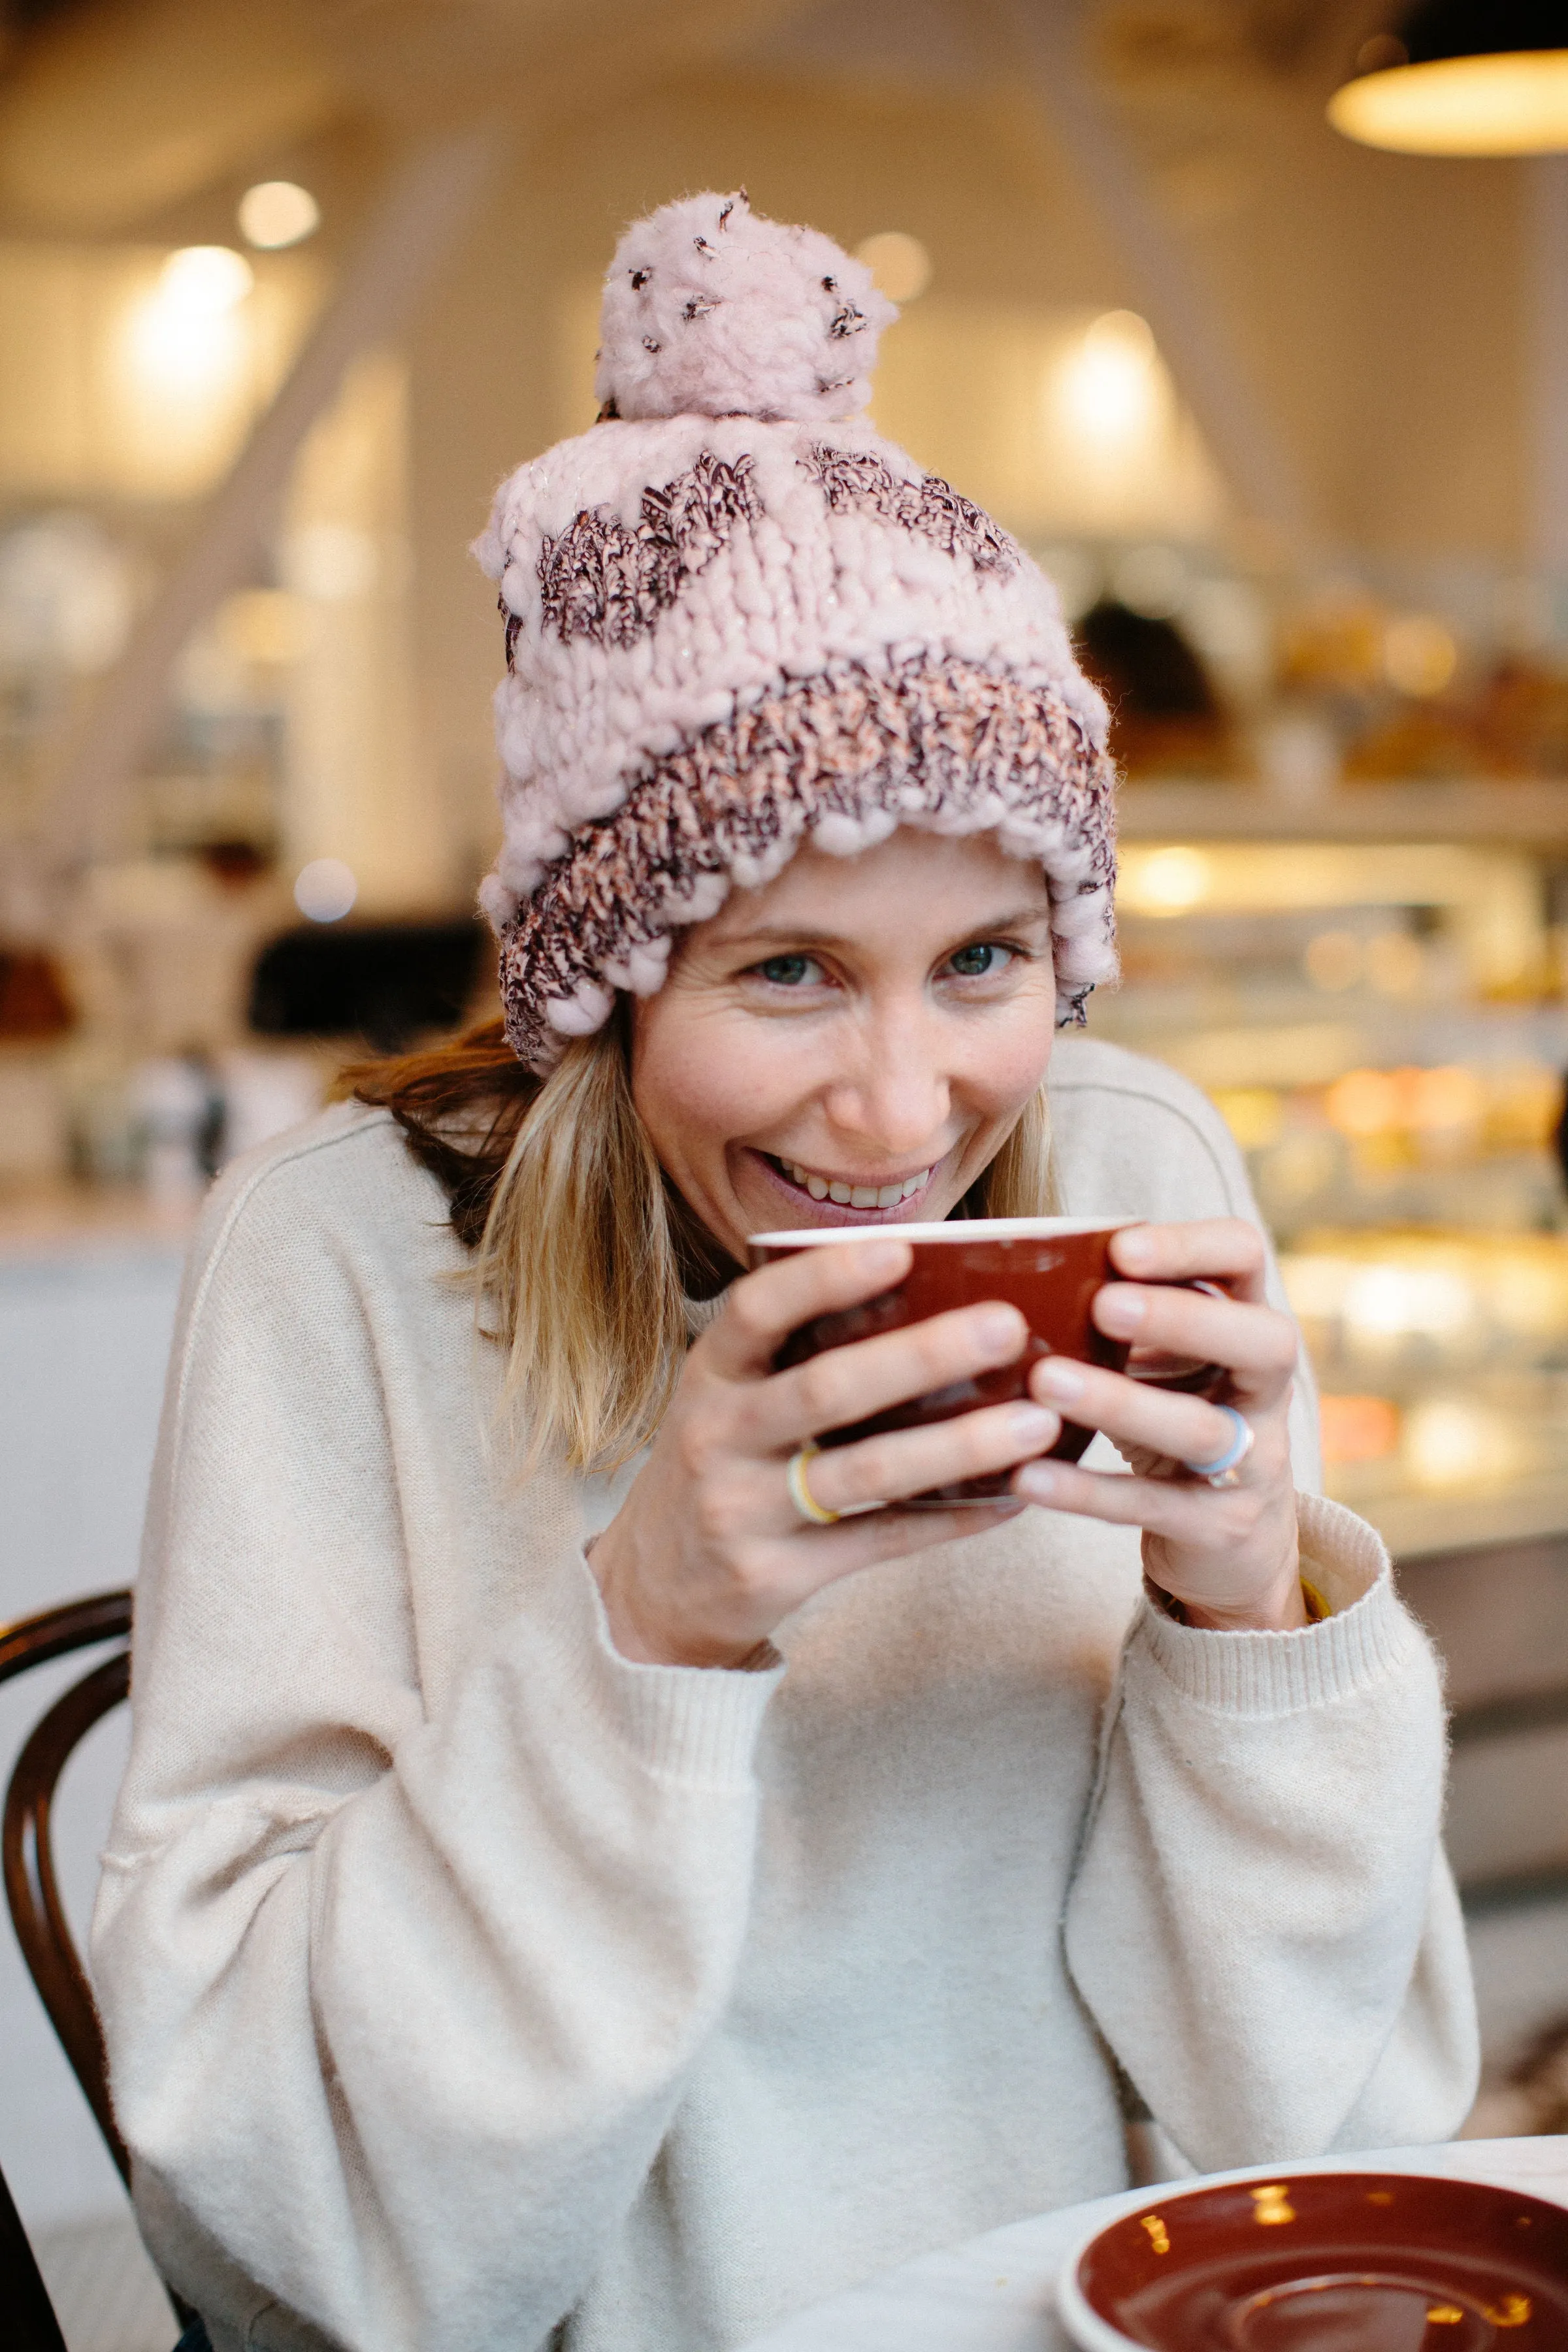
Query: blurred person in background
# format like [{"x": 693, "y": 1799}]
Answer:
[{"x": 583, "y": 1878}]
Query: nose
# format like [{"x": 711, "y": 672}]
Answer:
[{"x": 892, "y": 1099}]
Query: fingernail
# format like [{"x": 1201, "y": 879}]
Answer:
[
  {"x": 1132, "y": 1247},
  {"x": 1000, "y": 1329},
  {"x": 882, "y": 1257},
  {"x": 1036, "y": 1482},
  {"x": 1121, "y": 1309},
  {"x": 1058, "y": 1379},
  {"x": 1033, "y": 1425}
]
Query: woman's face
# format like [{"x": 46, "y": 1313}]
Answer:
[{"x": 851, "y": 1044}]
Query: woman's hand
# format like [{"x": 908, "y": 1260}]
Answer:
[
  {"x": 1229, "y": 1556},
  {"x": 707, "y": 1553}
]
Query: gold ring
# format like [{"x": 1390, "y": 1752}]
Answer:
[{"x": 800, "y": 1493}]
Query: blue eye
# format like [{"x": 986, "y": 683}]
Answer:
[
  {"x": 787, "y": 971},
  {"x": 976, "y": 962}
]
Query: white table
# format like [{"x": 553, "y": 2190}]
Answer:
[{"x": 997, "y": 2294}]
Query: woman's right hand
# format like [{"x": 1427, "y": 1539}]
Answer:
[{"x": 707, "y": 1553}]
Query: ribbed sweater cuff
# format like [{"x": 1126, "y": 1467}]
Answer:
[
  {"x": 1368, "y": 1638},
  {"x": 698, "y": 1724}
]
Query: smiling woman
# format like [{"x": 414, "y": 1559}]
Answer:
[
  {"x": 877, "y": 1024},
  {"x": 756, "y": 1089},
  {"x": 599, "y": 1867}
]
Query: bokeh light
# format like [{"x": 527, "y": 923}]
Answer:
[
  {"x": 1166, "y": 882},
  {"x": 277, "y": 213},
  {"x": 1255, "y": 1115},
  {"x": 202, "y": 280},
  {"x": 1358, "y": 1428},
  {"x": 325, "y": 890},
  {"x": 1450, "y": 1442},
  {"x": 1110, "y": 387},
  {"x": 1364, "y": 1102},
  {"x": 185, "y": 339},
  {"x": 1393, "y": 1302},
  {"x": 1419, "y": 654},
  {"x": 900, "y": 264}
]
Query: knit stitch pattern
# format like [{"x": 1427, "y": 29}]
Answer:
[
  {"x": 943, "y": 746},
  {"x": 737, "y": 621},
  {"x": 711, "y": 310}
]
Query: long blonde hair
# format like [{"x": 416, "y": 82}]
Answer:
[{"x": 584, "y": 1254}]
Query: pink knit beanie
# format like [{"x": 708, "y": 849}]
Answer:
[{"x": 737, "y": 620}]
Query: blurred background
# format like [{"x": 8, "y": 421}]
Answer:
[{"x": 1280, "y": 401}]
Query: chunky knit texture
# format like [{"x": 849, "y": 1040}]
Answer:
[
  {"x": 467, "y": 1989},
  {"x": 736, "y": 620},
  {"x": 711, "y": 310}
]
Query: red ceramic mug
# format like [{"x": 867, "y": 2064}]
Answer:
[{"x": 1050, "y": 1268}]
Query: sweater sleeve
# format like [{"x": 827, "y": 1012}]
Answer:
[
  {"x": 398, "y": 2002},
  {"x": 1263, "y": 1922}
]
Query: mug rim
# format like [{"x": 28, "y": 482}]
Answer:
[{"x": 955, "y": 1231}]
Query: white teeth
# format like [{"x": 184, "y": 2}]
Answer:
[{"x": 855, "y": 1196}]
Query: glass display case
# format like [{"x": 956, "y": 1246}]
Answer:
[{"x": 1372, "y": 990}]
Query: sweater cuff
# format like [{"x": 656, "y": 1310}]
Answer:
[
  {"x": 1369, "y": 1637},
  {"x": 698, "y": 1724}
]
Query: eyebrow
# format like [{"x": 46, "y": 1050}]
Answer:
[{"x": 798, "y": 935}]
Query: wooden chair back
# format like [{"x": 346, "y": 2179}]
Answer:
[{"x": 37, "y": 1914}]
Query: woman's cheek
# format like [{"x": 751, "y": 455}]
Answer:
[
  {"x": 723, "y": 1077},
  {"x": 1014, "y": 1056}
]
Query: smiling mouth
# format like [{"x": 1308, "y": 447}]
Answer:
[{"x": 843, "y": 1192}]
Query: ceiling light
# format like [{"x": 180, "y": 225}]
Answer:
[
  {"x": 1108, "y": 385},
  {"x": 277, "y": 213},
  {"x": 204, "y": 280},
  {"x": 1462, "y": 78}
]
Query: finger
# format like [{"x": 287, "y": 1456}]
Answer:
[
  {"x": 1256, "y": 1344},
  {"x": 897, "y": 1534},
  {"x": 1185, "y": 1515},
  {"x": 1134, "y": 1413},
  {"x": 1226, "y": 1249},
  {"x": 865, "y": 1377},
  {"x": 763, "y": 1309},
  {"x": 909, "y": 1460}
]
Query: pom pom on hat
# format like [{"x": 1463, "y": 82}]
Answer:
[{"x": 711, "y": 310}]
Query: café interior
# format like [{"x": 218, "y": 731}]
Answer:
[{"x": 1275, "y": 391}]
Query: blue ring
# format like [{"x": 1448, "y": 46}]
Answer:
[{"x": 1234, "y": 1452}]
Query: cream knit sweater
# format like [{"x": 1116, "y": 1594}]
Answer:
[{"x": 468, "y": 1986}]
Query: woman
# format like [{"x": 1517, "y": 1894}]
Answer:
[{"x": 580, "y": 1878}]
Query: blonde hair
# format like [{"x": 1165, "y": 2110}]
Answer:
[{"x": 586, "y": 1250}]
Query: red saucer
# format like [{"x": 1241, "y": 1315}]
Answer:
[{"x": 1326, "y": 2262}]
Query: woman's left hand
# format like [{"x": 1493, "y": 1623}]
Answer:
[{"x": 1229, "y": 1554}]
